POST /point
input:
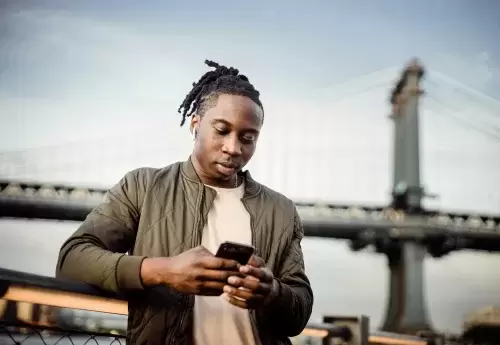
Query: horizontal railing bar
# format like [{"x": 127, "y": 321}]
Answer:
[
  {"x": 24, "y": 279},
  {"x": 327, "y": 330},
  {"x": 376, "y": 340},
  {"x": 395, "y": 339},
  {"x": 25, "y": 287},
  {"x": 63, "y": 299}
]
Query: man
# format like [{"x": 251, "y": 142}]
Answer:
[{"x": 171, "y": 222}]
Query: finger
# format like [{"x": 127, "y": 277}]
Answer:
[
  {"x": 250, "y": 303},
  {"x": 249, "y": 283},
  {"x": 215, "y": 275},
  {"x": 211, "y": 285},
  {"x": 236, "y": 302},
  {"x": 238, "y": 292},
  {"x": 256, "y": 261},
  {"x": 210, "y": 289},
  {"x": 263, "y": 274},
  {"x": 216, "y": 263}
]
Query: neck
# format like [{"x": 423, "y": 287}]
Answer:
[{"x": 231, "y": 182}]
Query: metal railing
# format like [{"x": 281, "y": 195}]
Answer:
[
  {"x": 42, "y": 310},
  {"x": 16, "y": 334}
]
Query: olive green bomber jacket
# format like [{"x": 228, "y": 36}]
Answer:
[{"x": 162, "y": 212}]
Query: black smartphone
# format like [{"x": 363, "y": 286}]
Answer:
[{"x": 238, "y": 252}]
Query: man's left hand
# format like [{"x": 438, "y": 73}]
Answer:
[{"x": 256, "y": 289}]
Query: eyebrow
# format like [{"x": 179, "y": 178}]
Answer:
[
  {"x": 216, "y": 121},
  {"x": 227, "y": 123}
]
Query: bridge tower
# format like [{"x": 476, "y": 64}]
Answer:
[{"x": 406, "y": 310}]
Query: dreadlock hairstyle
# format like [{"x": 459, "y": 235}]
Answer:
[{"x": 222, "y": 80}]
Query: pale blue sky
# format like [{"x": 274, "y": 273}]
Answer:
[
  {"x": 81, "y": 71},
  {"x": 324, "y": 42}
]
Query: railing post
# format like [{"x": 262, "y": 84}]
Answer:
[{"x": 358, "y": 327}]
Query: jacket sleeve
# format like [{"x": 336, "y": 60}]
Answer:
[
  {"x": 96, "y": 253},
  {"x": 288, "y": 313}
]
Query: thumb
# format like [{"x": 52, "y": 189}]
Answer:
[{"x": 256, "y": 261}]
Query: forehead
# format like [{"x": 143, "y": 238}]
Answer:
[{"x": 238, "y": 111}]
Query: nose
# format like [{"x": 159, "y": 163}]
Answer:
[{"x": 232, "y": 146}]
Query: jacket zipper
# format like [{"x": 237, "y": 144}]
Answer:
[
  {"x": 252, "y": 227},
  {"x": 196, "y": 234},
  {"x": 254, "y": 243},
  {"x": 181, "y": 324}
]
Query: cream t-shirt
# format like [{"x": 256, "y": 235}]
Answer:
[{"x": 216, "y": 321}]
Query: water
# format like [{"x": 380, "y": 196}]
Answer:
[{"x": 344, "y": 282}]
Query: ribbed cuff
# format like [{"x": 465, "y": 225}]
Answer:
[
  {"x": 282, "y": 299},
  {"x": 128, "y": 272}
]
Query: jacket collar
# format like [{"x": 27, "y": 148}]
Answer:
[{"x": 252, "y": 187}]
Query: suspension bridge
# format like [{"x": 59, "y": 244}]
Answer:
[{"x": 403, "y": 229}]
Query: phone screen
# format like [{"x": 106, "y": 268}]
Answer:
[{"x": 238, "y": 252}]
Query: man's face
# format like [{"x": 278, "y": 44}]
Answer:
[{"x": 227, "y": 136}]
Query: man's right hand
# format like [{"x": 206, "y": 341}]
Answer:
[{"x": 196, "y": 271}]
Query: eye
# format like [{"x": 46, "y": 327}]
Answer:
[
  {"x": 221, "y": 131},
  {"x": 249, "y": 137}
]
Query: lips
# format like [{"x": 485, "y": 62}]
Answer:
[
  {"x": 229, "y": 165},
  {"x": 227, "y": 169}
]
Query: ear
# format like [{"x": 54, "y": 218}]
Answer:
[{"x": 194, "y": 125}]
